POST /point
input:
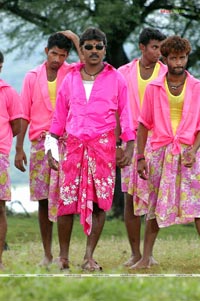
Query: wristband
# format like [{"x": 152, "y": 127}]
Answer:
[
  {"x": 51, "y": 144},
  {"x": 118, "y": 143}
]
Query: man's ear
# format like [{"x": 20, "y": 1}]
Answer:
[
  {"x": 141, "y": 47},
  {"x": 46, "y": 50}
]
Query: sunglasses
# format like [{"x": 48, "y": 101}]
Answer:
[{"x": 90, "y": 46}]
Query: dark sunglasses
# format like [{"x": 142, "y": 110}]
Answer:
[{"x": 90, "y": 46}]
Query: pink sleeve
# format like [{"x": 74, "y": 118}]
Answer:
[
  {"x": 147, "y": 107},
  {"x": 13, "y": 104},
  {"x": 124, "y": 110}
]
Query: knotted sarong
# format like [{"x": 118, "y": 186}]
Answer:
[{"x": 87, "y": 175}]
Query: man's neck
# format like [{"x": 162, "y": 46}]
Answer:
[
  {"x": 176, "y": 78},
  {"x": 51, "y": 74}
]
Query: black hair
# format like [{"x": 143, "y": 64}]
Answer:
[
  {"x": 1, "y": 57},
  {"x": 93, "y": 33},
  {"x": 59, "y": 40},
  {"x": 148, "y": 34}
]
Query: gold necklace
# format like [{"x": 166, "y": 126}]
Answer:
[{"x": 93, "y": 75}]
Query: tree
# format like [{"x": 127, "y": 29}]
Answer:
[{"x": 27, "y": 22}]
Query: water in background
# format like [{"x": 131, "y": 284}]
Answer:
[{"x": 20, "y": 201}]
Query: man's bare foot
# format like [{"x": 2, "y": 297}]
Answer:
[
  {"x": 153, "y": 261},
  {"x": 46, "y": 261},
  {"x": 62, "y": 263},
  {"x": 90, "y": 265},
  {"x": 131, "y": 261},
  {"x": 141, "y": 264}
]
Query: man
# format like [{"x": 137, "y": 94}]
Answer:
[
  {"x": 86, "y": 106},
  {"x": 10, "y": 124},
  {"x": 38, "y": 98},
  {"x": 171, "y": 110},
  {"x": 138, "y": 74}
]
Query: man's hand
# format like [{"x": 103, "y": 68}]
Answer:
[
  {"x": 51, "y": 161},
  {"x": 70, "y": 35},
  {"x": 142, "y": 169},
  {"x": 126, "y": 156},
  {"x": 20, "y": 160},
  {"x": 189, "y": 158}
]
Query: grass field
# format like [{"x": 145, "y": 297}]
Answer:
[{"x": 177, "y": 250}]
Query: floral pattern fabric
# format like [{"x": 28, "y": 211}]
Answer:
[
  {"x": 174, "y": 189},
  {"x": 44, "y": 181},
  {"x": 87, "y": 175},
  {"x": 5, "y": 189},
  {"x": 133, "y": 184}
]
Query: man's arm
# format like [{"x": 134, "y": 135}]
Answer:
[
  {"x": 141, "y": 143},
  {"x": 20, "y": 156},
  {"x": 75, "y": 39},
  {"x": 189, "y": 157},
  {"x": 15, "y": 126}
]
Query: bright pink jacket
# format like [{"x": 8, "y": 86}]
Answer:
[
  {"x": 88, "y": 119},
  {"x": 11, "y": 109},
  {"x": 36, "y": 103},
  {"x": 129, "y": 71},
  {"x": 155, "y": 114}
]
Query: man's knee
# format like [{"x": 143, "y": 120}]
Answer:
[
  {"x": 43, "y": 203},
  {"x": 96, "y": 209},
  {"x": 2, "y": 207}
]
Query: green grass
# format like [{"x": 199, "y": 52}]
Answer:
[
  {"x": 140, "y": 289},
  {"x": 176, "y": 249}
]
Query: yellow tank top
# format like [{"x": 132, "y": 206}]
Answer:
[
  {"x": 142, "y": 83},
  {"x": 52, "y": 92},
  {"x": 176, "y": 106}
]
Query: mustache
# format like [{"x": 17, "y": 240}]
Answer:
[{"x": 94, "y": 55}]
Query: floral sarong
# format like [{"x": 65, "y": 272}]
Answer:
[
  {"x": 39, "y": 171},
  {"x": 174, "y": 189},
  {"x": 133, "y": 184},
  {"x": 5, "y": 189},
  {"x": 44, "y": 181},
  {"x": 87, "y": 175}
]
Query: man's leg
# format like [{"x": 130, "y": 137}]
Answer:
[
  {"x": 46, "y": 228},
  {"x": 3, "y": 230},
  {"x": 98, "y": 220},
  {"x": 133, "y": 226},
  {"x": 65, "y": 225},
  {"x": 151, "y": 232},
  {"x": 197, "y": 224}
]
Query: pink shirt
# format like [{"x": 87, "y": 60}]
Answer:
[
  {"x": 155, "y": 114},
  {"x": 10, "y": 109},
  {"x": 88, "y": 119},
  {"x": 36, "y": 102},
  {"x": 129, "y": 71}
]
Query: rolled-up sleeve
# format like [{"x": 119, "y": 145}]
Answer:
[{"x": 127, "y": 131}]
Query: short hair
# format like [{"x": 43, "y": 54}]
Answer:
[
  {"x": 1, "y": 57},
  {"x": 175, "y": 44},
  {"x": 93, "y": 33},
  {"x": 59, "y": 40},
  {"x": 148, "y": 34}
]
